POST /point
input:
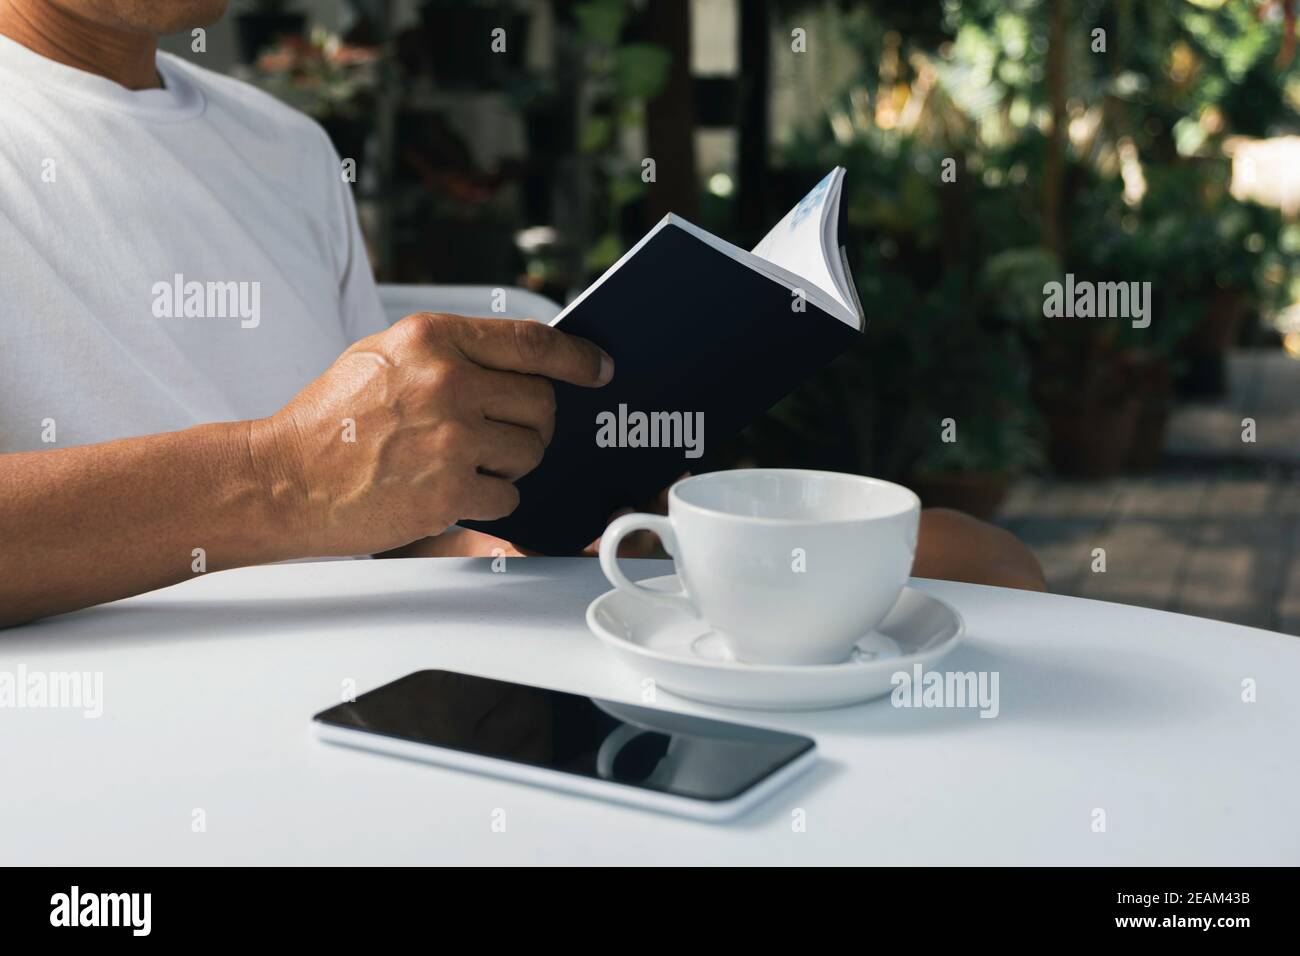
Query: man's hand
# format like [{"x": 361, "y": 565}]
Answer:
[
  {"x": 409, "y": 431},
  {"x": 639, "y": 544},
  {"x": 464, "y": 543},
  {"x": 951, "y": 546},
  {"x": 416, "y": 428}
]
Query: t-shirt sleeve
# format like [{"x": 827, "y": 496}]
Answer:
[
  {"x": 360, "y": 310},
  {"x": 359, "y": 302}
]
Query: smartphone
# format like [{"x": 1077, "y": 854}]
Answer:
[{"x": 655, "y": 759}]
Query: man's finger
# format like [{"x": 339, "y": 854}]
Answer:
[
  {"x": 491, "y": 498},
  {"x": 536, "y": 349},
  {"x": 510, "y": 451},
  {"x": 527, "y": 400}
]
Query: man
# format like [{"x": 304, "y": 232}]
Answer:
[{"x": 188, "y": 325}]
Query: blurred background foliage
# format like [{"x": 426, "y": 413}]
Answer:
[
  {"x": 1081, "y": 136},
  {"x": 992, "y": 147}
]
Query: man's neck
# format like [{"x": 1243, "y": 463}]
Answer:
[{"x": 122, "y": 56}]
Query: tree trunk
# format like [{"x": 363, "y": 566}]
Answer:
[
  {"x": 753, "y": 135},
  {"x": 670, "y": 118},
  {"x": 1054, "y": 166}
]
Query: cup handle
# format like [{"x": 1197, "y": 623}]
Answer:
[{"x": 620, "y": 528}]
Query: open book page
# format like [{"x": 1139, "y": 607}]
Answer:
[
  {"x": 804, "y": 241},
  {"x": 826, "y": 301},
  {"x": 791, "y": 254}
]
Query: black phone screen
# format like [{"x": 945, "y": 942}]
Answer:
[{"x": 605, "y": 740}]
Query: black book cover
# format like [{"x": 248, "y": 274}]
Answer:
[{"x": 690, "y": 330}]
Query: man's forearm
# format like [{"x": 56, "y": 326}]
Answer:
[
  {"x": 953, "y": 546},
  {"x": 408, "y": 431},
  {"x": 79, "y": 526}
]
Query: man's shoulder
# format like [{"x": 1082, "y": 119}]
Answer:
[{"x": 248, "y": 103}]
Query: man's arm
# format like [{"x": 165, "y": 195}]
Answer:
[
  {"x": 85, "y": 525},
  {"x": 408, "y": 432},
  {"x": 953, "y": 546},
  {"x": 950, "y": 545}
]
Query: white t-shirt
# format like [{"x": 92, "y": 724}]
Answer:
[{"x": 168, "y": 257}]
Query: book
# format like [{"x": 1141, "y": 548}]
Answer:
[{"x": 705, "y": 337}]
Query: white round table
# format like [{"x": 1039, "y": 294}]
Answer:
[{"x": 204, "y": 753}]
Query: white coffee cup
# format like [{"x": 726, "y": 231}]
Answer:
[{"x": 787, "y": 566}]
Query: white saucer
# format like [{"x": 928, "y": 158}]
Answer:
[{"x": 682, "y": 655}]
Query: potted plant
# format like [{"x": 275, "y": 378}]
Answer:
[
  {"x": 1100, "y": 380},
  {"x": 1085, "y": 384},
  {"x": 974, "y": 473},
  {"x": 982, "y": 428},
  {"x": 1206, "y": 250},
  {"x": 329, "y": 80},
  {"x": 1085, "y": 387},
  {"x": 1234, "y": 250},
  {"x": 1155, "y": 253}
]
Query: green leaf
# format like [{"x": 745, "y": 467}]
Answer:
[
  {"x": 600, "y": 21},
  {"x": 604, "y": 253},
  {"x": 631, "y": 115},
  {"x": 595, "y": 134},
  {"x": 624, "y": 189},
  {"x": 640, "y": 70}
]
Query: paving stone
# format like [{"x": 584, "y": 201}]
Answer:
[
  {"x": 1091, "y": 500},
  {"x": 1215, "y": 533},
  {"x": 1232, "y": 572},
  {"x": 1205, "y": 431},
  {"x": 1264, "y": 384},
  {"x": 1162, "y": 497},
  {"x": 1020, "y": 500},
  {"x": 1063, "y": 547},
  {"x": 1287, "y": 612},
  {"x": 1144, "y": 561},
  {"x": 1244, "y": 498}
]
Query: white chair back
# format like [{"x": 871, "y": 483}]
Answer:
[{"x": 400, "y": 300}]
